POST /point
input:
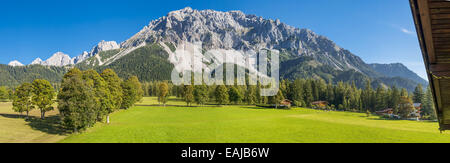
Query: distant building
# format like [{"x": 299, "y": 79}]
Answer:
[
  {"x": 286, "y": 103},
  {"x": 319, "y": 104},
  {"x": 388, "y": 111},
  {"x": 418, "y": 106},
  {"x": 415, "y": 115}
]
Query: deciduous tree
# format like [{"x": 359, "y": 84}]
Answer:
[
  {"x": 132, "y": 92},
  {"x": 221, "y": 95},
  {"x": 115, "y": 89},
  {"x": 189, "y": 95},
  {"x": 163, "y": 94},
  {"x": 76, "y": 102},
  {"x": 22, "y": 99},
  {"x": 103, "y": 96},
  {"x": 235, "y": 95},
  {"x": 201, "y": 94},
  {"x": 43, "y": 95}
]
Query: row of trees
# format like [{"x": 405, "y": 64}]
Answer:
[
  {"x": 87, "y": 97},
  {"x": 5, "y": 94},
  {"x": 340, "y": 96},
  {"x": 37, "y": 95},
  {"x": 84, "y": 97}
]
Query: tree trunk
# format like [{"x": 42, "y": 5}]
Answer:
[
  {"x": 27, "y": 114},
  {"x": 107, "y": 119},
  {"x": 42, "y": 114}
]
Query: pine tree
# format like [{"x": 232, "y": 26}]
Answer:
[
  {"x": 418, "y": 94},
  {"x": 308, "y": 93},
  {"x": 42, "y": 96},
  {"x": 380, "y": 102},
  {"x": 428, "y": 105},
  {"x": 395, "y": 99},
  {"x": 297, "y": 93}
]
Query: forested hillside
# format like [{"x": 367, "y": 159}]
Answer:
[{"x": 13, "y": 76}]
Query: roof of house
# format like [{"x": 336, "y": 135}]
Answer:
[
  {"x": 416, "y": 105},
  {"x": 385, "y": 110},
  {"x": 432, "y": 20}
]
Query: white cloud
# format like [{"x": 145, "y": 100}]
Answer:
[
  {"x": 407, "y": 31},
  {"x": 403, "y": 30}
]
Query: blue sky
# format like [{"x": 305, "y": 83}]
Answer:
[{"x": 380, "y": 31}]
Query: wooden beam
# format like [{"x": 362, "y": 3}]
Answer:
[
  {"x": 438, "y": 95},
  {"x": 442, "y": 67},
  {"x": 424, "y": 12}
]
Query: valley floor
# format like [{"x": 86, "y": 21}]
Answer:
[
  {"x": 150, "y": 123},
  {"x": 14, "y": 128}
]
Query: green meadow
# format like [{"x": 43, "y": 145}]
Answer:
[{"x": 148, "y": 122}]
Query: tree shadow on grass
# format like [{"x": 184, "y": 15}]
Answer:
[
  {"x": 258, "y": 108},
  {"x": 386, "y": 119},
  {"x": 179, "y": 106},
  {"x": 49, "y": 125}
]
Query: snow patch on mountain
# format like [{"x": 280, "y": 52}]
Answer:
[
  {"x": 15, "y": 63},
  {"x": 37, "y": 61}
]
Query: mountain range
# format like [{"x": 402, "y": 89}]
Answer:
[{"x": 152, "y": 53}]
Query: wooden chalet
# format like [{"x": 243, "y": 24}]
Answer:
[
  {"x": 320, "y": 104},
  {"x": 388, "y": 111},
  {"x": 286, "y": 103},
  {"x": 432, "y": 20}
]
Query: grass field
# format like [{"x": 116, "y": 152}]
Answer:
[
  {"x": 14, "y": 128},
  {"x": 150, "y": 123}
]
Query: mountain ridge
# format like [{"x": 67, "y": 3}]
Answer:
[{"x": 232, "y": 30}]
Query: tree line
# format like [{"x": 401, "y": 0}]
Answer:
[
  {"x": 84, "y": 97},
  {"x": 303, "y": 92}
]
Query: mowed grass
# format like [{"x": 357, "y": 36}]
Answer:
[
  {"x": 150, "y": 123},
  {"x": 14, "y": 128}
]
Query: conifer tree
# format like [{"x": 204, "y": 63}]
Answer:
[
  {"x": 428, "y": 105},
  {"x": 418, "y": 94}
]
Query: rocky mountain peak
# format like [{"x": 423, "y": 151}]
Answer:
[
  {"x": 104, "y": 46},
  {"x": 235, "y": 30},
  {"x": 37, "y": 61},
  {"x": 15, "y": 63},
  {"x": 58, "y": 59}
]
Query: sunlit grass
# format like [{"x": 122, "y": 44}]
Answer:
[{"x": 151, "y": 123}]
